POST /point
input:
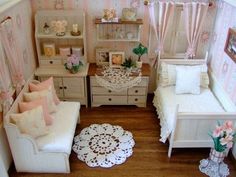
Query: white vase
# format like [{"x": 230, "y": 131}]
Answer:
[
  {"x": 139, "y": 64},
  {"x": 216, "y": 156}
]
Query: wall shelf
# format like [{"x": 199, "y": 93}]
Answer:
[
  {"x": 137, "y": 22},
  {"x": 121, "y": 31}
]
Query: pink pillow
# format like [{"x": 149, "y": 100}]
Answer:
[
  {"x": 26, "y": 106},
  {"x": 45, "y": 85}
]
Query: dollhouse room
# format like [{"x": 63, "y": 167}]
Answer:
[{"x": 118, "y": 88}]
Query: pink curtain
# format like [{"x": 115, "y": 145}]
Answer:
[
  {"x": 160, "y": 27},
  {"x": 194, "y": 16},
  {"x": 13, "y": 53},
  {"x": 5, "y": 95},
  {"x": 165, "y": 10}
]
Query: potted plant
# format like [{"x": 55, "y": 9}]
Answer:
[
  {"x": 223, "y": 137},
  {"x": 128, "y": 63},
  {"x": 73, "y": 63},
  {"x": 140, "y": 50}
]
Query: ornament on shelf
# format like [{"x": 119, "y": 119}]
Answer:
[
  {"x": 75, "y": 30},
  {"x": 49, "y": 49},
  {"x": 129, "y": 14},
  {"x": 59, "y": 4},
  {"x": 59, "y": 27},
  {"x": 119, "y": 33},
  {"x": 46, "y": 28},
  {"x": 109, "y": 15}
]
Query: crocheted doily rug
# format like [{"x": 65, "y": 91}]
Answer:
[{"x": 103, "y": 145}]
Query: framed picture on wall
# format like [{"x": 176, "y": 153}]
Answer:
[
  {"x": 116, "y": 59},
  {"x": 230, "y": 45},
  {"x": 102, "y": 56}
]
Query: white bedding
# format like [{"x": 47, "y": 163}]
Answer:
[
  {"x": 62, "y": 130},
  {"x": 165, "y": 101}
]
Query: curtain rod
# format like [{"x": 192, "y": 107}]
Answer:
[{"x": 147, "y": 2}]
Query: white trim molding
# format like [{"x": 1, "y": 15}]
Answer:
[{"x": 231, "y": 2}]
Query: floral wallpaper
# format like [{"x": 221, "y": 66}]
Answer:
[
  {"x": 221, "y": 64},
  {"x": 23, "y": 28}
]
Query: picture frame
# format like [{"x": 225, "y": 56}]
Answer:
[
  {"x": 102, "y": 56},
  {"x": 116, "y": 59},
  {"x": 230, "y": 44},
  {"x": 49, "y": 49}
]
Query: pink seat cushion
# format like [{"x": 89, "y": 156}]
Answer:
[
  {"x": 45, "y": 85},
  {"x": 26, "y": 106}
]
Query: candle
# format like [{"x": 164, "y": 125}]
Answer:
[{"x": 75, "y": 28}]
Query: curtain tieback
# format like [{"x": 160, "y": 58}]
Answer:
[
  {"x": 5, "y": 95},
  {"x": 191, "y": 51},
  {"x": 19, "y": 82}
]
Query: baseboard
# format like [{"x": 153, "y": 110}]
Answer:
[{"x": 224, "y": 98}]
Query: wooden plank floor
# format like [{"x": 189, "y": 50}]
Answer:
[{"x": 149, "y": 158}]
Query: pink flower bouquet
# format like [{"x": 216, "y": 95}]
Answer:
[
  {"x": 223, "y": 136},
  {"x": 73, "y": 63}
]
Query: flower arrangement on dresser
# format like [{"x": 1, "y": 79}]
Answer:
[{"x": 73, "y": 63}]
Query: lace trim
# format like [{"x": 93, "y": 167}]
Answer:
[
  {"x": 118, "y": 79},
  {"x": 165, "y": 131}
]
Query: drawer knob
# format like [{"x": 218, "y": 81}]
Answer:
[
  {"x": 110, "y": 99},
  {"x": 61, "y": 87},
  {"x": 136, "y": 91},
  {"x": 51, "y": 62},
  {"x": 136, "y": 99},
  {"x": 109, "y": 91},
  {"x": 65, "y": 87}
]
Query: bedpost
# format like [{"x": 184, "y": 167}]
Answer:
[{"x": 172, "y": 136}]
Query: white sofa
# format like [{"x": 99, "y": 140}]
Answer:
[{"x": 46, "y": 154}]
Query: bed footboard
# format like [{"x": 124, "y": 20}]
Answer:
[{"x": 192, "y": 129}]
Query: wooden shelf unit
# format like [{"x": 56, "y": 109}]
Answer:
[
  {"x": 118, "y": 31},
  {"x": 68, "y": 86}
]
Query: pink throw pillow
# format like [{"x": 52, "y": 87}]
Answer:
[
  {"x": 45, "y": 85},
  {"x": 26, "y": 106}
]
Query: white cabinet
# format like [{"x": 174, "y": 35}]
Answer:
[{"x": 68, "y": 86}]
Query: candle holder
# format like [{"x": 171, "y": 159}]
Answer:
[{"x": 75, "y": 30}]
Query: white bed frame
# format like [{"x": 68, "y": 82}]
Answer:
[{"x": 191, "y": 129}]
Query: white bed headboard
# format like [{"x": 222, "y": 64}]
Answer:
[{"x": 178, "y": 61}]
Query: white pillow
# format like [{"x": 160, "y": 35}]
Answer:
[
  {"x": 167, "y": 74},
  {"x": 31, "y": 122},
  {"x": 31, "y": 96},
  {"x": 187, "y": 80}
]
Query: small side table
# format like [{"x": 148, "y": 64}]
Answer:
[{"x": 213, "y": 169}]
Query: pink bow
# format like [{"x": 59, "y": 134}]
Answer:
[{"x": 191, "y": 51}]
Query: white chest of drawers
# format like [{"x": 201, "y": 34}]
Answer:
[{"x": 133, "y": 96}]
